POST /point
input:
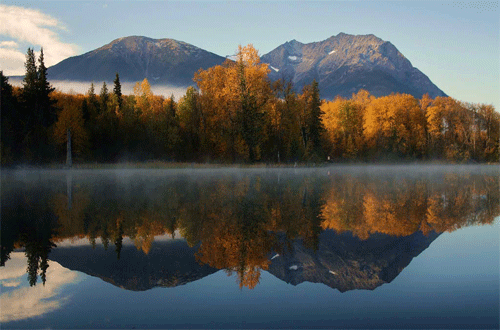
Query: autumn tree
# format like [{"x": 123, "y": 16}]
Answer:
[
  {"x": 283, "y": 135},
  {"x": 234, "y": 97},
  {"x": 343, "y": 120},
  {"x": 488, "y": 127},
  {"x": 449, "y": 126},
  {"x": 71, "y": 118}
]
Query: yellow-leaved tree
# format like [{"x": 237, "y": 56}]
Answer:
[
  {"x": 233, "y": 99},
  {"x": 70, "y": 117}
]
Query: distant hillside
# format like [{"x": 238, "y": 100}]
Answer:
[
  {"x": 344, "y": 64},
  {"x": 161, "y": 61}
]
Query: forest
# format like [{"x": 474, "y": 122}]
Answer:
[{"x": 236, "y": 115}]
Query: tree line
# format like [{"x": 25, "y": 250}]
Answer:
[{"x": 236, "y": 115}]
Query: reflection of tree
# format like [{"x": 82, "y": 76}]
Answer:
[
  {"x": 237, "y": 221},
  {"x": 37, "y": 249},
  {"x": 402, "y": 206},
  {"x": 29, "y": 221},
  {"x": 242, "y": 219}
]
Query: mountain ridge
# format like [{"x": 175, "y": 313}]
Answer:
[
  {"x": 342, "y": 65},
  {"x": 345, "y": 63},
  {"x": 161, "y": 61}
]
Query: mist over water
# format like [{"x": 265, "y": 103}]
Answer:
[{"x": 82, "y": 87}]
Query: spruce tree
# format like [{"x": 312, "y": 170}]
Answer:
[
  {"x": 10, "y": 122},
  {"x": 29, "y": 91},
  {"x": 117, "y": 90},
  {"x": 104, "y": 96},
  {"x": 311, "y": 125},
  {"x": 46, "y": 114},
  {"x": 315, "y": 125}
]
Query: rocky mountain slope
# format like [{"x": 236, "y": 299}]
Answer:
[
  {"x": 345, "y": 63},
  {"x": 161, "y": 61},
  {"x": 344, "y": 262}
]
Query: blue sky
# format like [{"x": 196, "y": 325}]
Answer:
[{"x": 455, "y": 43}]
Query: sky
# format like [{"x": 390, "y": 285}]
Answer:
[{"x": 455, "y": 43}]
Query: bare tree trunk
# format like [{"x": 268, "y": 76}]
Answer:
[{"x": 69, "y": 161}]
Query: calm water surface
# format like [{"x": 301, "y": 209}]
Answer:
[{"x": 340, "y": 247}]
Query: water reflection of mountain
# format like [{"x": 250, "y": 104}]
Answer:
[
  {"x": 342, "y": 262},
  {"x": 168, "y": 264},
  {"x": 345, "y": 262}
]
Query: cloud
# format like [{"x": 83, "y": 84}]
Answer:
[
  {"x": 26, "y": 302},
  {"x": 9, "y": 44},
  {"x": 32, "y": 27},
  {"x": 11, "y": 284}
]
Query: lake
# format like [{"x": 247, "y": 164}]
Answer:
[{"x": 333, "y": 247}]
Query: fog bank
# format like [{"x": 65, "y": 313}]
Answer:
[{"x": 82, "y": 87}]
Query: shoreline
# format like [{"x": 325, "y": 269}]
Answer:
[{"x": 164, "y": 165}]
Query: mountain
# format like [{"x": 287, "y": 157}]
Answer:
[
  {"x": 341, "y": 64},
  {"x": 344, "y": 64},
  {"x": 342, "y": 262},
  {"x": 345, "y": 262},
  {"x": 168, "y": 264},
  {"x": 161, "y": 61}
]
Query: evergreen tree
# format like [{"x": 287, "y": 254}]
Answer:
[
  {"x": 92, "y": 103},
  {"x": 30, "y": 77},
  {"x": 171, "y": 106},
  {"x": 117, "y": 90},
  {"x": 29, "y": 93},
  {"x": 104, "y": 97},
  {"x": 37, "y": 111},
  {"x": 312, "y": 127},
  {"x": 46, "y": 113},
  {"x": 10, "y": 122}
]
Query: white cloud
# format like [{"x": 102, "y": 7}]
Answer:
[
  {"x": 9, "y": 44},
  {"x": 34, "y": 28},
  {"x": 11, "y": 284},
  {"x": 26, "y": 302}
]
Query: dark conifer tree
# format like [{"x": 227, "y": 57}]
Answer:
[
  {"x": 46, "y": 114},
  {"x": 10, "y": 122},
  {"x": 29, "y": 93},
  {"x": 313, "y": 129},
  {"x": 104, "y": 97},
  {"x": 316, "y": 127},
  {"x": 37, "y": 112},
  {"x": 117, "y": 90},
  {"x": 171, "y": 107}
]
